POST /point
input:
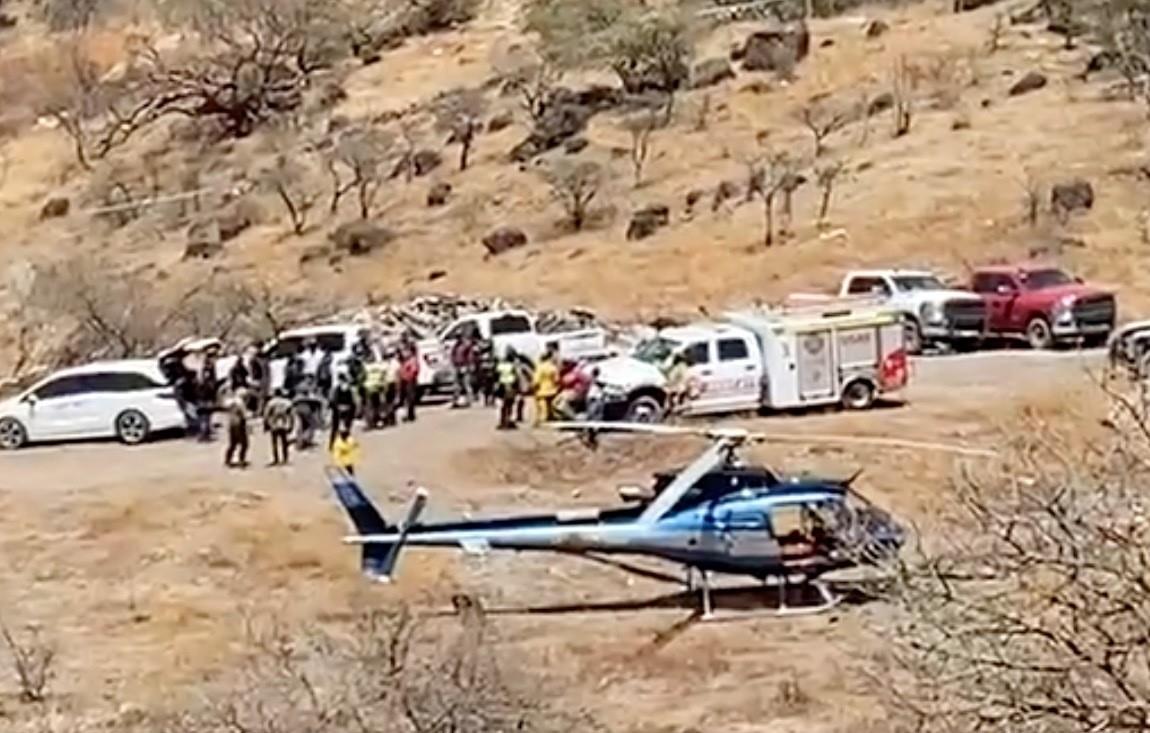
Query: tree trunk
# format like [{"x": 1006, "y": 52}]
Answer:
[
  {"x": 825, "y": 202},
  {"x": 769, "y": 223},
  {"x": 465, "y": 149}
]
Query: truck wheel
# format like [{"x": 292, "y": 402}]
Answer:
[
  {"x": 859, "y": 395},
  {"x": 1038, "y": 333},
  {"x": 913, "y": 336},
  {"x": 644, "y": 409}
]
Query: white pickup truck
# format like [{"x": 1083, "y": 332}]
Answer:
[
  {"x": 510, "y": 328},
  {"x": 831, "y": 353},
  {"x": 935, "y": 313}
]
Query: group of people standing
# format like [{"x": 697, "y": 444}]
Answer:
[{"x": 378, "y": 386}]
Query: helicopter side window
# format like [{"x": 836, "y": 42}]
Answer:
[{"x": 798, "y": 528}]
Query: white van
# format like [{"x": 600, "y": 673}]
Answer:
[{"x": 129, "y": 400}]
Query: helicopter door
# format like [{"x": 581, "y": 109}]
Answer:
[{"x": 747, "y": 534}]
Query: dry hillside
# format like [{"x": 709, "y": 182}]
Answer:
[{"x": 951, "y": 191}]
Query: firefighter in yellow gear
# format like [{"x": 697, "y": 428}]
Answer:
[{"x": 545, "y": 387}]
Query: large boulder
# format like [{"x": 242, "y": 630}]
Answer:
[
  {"x": 1032, "y": 81},
  {"x": 425, "y": 161},
  {"x": 503, "y": 240},
  {"x": 565, "y": 115},
  {"x": 1072, "y": 195},
  {"x": 360, "y": 237},
  {"x": 438, "y": 194},
  {"x": 55, "y": 207},
  {"x": 710, "y": 72},
  {"x": 204, "y": 240},
  {"x": 778, "y": 48},
  {"x": 647, "y": 220}
]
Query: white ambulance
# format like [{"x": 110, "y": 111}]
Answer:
[{"x": 849, "y": 352}]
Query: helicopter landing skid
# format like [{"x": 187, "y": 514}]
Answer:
[{"x": 824, "y": 600}]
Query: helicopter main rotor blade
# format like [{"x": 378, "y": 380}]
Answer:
[{"x": 741, "y": 434}]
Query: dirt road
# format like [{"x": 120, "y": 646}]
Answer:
[{"x": 142, "y": 561}]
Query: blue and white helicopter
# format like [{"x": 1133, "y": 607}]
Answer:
[{"x": 719, "y": 514}]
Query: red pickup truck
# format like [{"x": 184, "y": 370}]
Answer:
[{"x": 1044, "y": 305}]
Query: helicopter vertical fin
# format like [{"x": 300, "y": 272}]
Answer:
[
  {"x": 384, "y": 559},
  {"x": 379, "y": 558},
  {"x": 687, "y": 478}
]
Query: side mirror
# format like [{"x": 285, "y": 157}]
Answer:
[{"x": 29, "y": 399}]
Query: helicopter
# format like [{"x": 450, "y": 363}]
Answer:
[{"x": 718, "y": 514}]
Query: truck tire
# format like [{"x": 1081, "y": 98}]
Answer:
[
  {"x": 644, "y": 409},
  {"x": 913, "y": 331},
  {"x": 1038, "y": 333},
  {"x": 859, "y": 395}
]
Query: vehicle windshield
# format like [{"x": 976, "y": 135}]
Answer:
[
  {"x": 655, "y": 350},
  {"x": 907, "y": 283},
  {"x": 1042, "y": 279}
]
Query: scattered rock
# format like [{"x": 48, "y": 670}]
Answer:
[
  {"x": 575, "y": 145},
  {"x": 777, "y": 48},
  {"x": 1072, "y": 195},
  {"x": 204, "y": 240},
  {"x": 360, "y": 237},
  {"x": 500, "y": 121},
  {"x": 566, "y": 115},
  {"x": 725, "y": 191},
  {"x": 314, "y": 252},
  {"x": 425, "y": 161},
  {"x": 962, "y": 122},
  {"x": 503, "y": 240},
  {"x": 826, "y": 43},
  {"x": 436, "y": 275},
  {"x": 710, "y": 72},
  {"x": 736, "y": 52},
  {"x": 1100, "y": 61},
  {"x": 1032, "y": 81},
  {"x": 964, "y": 5},
  {"x": 756, "y": 86},
  {"x": 876, "y": 28},
  {"x": 647, "y": 220},
  {"x": 880, "y": 103},
  {"x": 439, "y": 193},
  {"x": 232, "y": 222},
  {"x": 694, "y": 196},
  {"x": 8, "y": 21},
  {"x": 55, "y": 207},
  {"x": 985, "y": 103}
]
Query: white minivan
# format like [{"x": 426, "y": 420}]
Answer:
[{"x": 129, "y": 400}]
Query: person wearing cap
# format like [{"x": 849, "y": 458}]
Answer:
[
  {"x": 236, "y": 455},
  {"x": 279, "y": 419}
]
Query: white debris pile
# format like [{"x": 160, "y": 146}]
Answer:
[{"x": 427, "y": 315}]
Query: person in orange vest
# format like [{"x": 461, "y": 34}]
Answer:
[{"x": 545, "y": 386}]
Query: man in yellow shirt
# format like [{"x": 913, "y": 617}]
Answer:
[
  {"x": 545, "y": 386},
  {"x": 345, "y": 451}
]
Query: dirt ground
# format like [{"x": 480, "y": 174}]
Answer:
[{"x": 141, "y": 564}]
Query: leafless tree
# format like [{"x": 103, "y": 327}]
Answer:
[
  {"x": 997, "y": 30},
  {"x": 1030, "y": 612},
  {"x": 575, "y": 185},
  {"x": 767, "y": 176},
  {"x": 287, "y": 179},
  {"x": 531, "y": 76},
  {"x": 1034, "y": 193},
  {"x": 821, "y": 119},
  {"x": 460, "y": 114},
  {"x": 33, "y": 661},
  {"x": 901, "y": 91},
  {"x": 827, "y": 175},
  {"x": 359, "y": 163},
  {"x": 641, "y": 126},
  {"x": 386, "y": 673}
]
